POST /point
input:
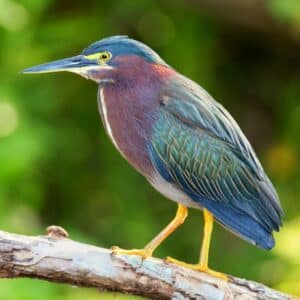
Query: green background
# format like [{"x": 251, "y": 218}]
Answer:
[{"x": 57, "y": 166}]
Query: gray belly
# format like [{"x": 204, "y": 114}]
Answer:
[{"x": 172, "y": 192}]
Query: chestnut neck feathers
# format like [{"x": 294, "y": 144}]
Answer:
[{"x": 128, "y": 105}]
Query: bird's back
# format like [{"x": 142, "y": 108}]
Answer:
[{"x": 198, "y": 148}]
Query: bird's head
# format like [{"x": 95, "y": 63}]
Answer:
[{"x": 102, "y": 60}]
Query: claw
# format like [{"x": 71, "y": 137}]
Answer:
[{"x": 198, "y": 267}]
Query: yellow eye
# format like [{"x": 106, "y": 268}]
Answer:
[{"x": 105, "y": 56}]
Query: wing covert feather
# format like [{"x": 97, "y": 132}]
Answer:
[{"x": 198, "y": 146}]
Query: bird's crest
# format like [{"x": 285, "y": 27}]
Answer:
[{"x": 123, "y": 45}]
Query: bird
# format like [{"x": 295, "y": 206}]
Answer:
[{"x": 184, "y": 142}]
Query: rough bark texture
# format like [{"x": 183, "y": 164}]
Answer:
[{"x": 56, "y": 258}]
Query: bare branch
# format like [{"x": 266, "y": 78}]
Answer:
[{"x": 56, "y": 258}]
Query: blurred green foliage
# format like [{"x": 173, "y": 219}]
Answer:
[{"x": 58, "y": 167}]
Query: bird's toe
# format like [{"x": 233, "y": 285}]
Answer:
[
  {"x": 140, "y": 252},
  {"x": 198, "y": 267}
]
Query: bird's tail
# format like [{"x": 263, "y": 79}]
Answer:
[{"x": 241, "y": 224}]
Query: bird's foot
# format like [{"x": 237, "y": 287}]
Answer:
[
  {"x": 144, "y": 253},
  {"x": 198, "y": 267}
]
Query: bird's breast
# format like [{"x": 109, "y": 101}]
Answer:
[{"x": 127, "y": 127}]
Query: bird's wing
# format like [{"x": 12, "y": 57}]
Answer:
[{"x": 197, "y": 146}]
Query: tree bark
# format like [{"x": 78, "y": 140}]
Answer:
[{"x": 56, "y": 258}]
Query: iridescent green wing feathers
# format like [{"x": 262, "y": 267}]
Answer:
[{"x": 197, "y": 146}]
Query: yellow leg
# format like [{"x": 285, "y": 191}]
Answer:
[
  {"x": 203, "y": 261},
  {"x": 207, "y": 231},
  {"x": 148, "y": 250}
]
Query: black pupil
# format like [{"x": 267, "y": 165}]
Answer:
[{"x": 104, "y": 56}]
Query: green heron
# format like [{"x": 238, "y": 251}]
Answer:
[{"x": 181, "y": 140}]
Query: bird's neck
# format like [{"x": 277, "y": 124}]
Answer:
[{"x": 127, "y": 108}]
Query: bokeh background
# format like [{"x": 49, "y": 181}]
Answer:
[{"x": 58, "y": 167}]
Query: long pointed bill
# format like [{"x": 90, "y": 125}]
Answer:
[{"x": 77, "y": 64}]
